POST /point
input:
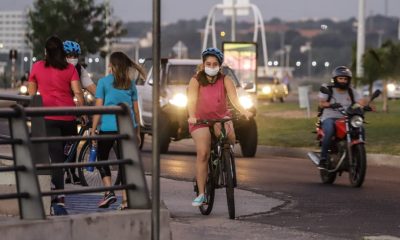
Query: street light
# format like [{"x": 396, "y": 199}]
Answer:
[
  {"x": 326, "y": 64},
  {"x": 298, "y": 64},
  {"x": 314, "y": 63}
]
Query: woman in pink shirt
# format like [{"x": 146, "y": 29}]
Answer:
[
  {"x": 207, "y": 94},
  {"x": 58, "y": 83}
]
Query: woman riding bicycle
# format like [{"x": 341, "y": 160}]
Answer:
[{"x": 207, "y": 99}]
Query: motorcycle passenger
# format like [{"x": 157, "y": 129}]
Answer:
[
  {"x": 207, "y": 99},
  {"x": 343, "y": 95}
]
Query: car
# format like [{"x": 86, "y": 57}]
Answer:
[
  {"x": 393, "y": 89},
  {"x": 174, "y": 79},
  {"x": 270, "y": 88}
]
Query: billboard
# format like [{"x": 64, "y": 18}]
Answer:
[{"x": 242, "y": 58}]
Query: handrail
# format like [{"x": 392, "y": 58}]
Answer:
[{"x": 24, "y": 146}]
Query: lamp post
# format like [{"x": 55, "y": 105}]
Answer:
[{"x": 360, "y": 37}]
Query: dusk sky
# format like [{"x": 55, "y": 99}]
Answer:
[{"x": 173, "y": 10}]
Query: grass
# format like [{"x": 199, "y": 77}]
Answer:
[{"x": 279, "y": 126}]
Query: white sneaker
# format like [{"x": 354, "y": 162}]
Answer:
[{"x": 200, "y": 200}]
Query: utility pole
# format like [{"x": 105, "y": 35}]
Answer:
[
  {"x": 233, "y": 25},
  {"x": 107, "y": 57},
  {"x": 360, "y": 37}
]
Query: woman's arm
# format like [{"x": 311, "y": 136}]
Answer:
[
  {"x": 232, "y": 95},
  {"x": 193, "y": 92},
  {"x": 137, "y": 119},
  {"x": 77, "y": 90},
  {"x": 32, "y": 88},
  {"x": 96, "y": 118}
]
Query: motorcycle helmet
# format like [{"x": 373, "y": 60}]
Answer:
[
  {"x": 71, "y": 47},
  {"x": 213, "y": 52},
  {"x": 341, "y": 71}
]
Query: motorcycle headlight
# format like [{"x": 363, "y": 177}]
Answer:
[
  {"x": 266, "y": 90},
  {"x": 179, "y": 100},
  {"x": 246, "y": 102},
  {"x": 357, "y": 121},
  {"x": 23, "y": 89}
]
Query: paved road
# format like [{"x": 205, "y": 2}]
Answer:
[{"x": 309, "y": 206}]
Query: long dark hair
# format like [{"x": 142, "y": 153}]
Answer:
[
  {"x": 122, "y": 67},
  {"x": 55, "y": 55}
]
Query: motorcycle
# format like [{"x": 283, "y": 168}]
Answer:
[{"x": 347, "y": 150}]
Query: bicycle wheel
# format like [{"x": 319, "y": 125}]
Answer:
[
  {"x": 93, "y": 178},
  {"x": 229, "y": 172},
  {"x": 209, "y": 192}
]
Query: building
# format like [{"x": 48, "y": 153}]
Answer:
[{"x": 13, "y": 26}]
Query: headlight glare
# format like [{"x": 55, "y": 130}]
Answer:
[
  {"x": 179, "y": 100},
  {"x": 391, "y": 87},
  {"x": 246, "y": 102},
  {"x": 357, "y": 121},
  {"x": 23, "y": 89},
  {"x": 266, "y": 90}
]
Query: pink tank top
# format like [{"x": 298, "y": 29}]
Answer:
[{"x": 211, "y": 102}]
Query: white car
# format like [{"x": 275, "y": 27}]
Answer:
[
  {"x": 174, "y": 79},
  {"x": 393, "y": 89}
]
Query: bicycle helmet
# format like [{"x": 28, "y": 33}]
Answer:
[
  {"x": 341, "y": 71},
  {"x": 72, "y": 47},
  {"x": 213, "y": 52}
]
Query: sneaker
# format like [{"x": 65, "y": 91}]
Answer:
[
  {"x": 76, "y": 179},
  {"x": 68, "y": 180},
  {"x": 323, "y": 164},
  {"x": 199, "y": 200},
  {"x": 108, "y": 199},
  {"x": 57, "y": 210},
  {"x": 58, "y": 207}
]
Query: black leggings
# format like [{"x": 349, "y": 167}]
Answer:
[
  {"x": 56, "y": 149},
  {"x": 103, "y": 152}
]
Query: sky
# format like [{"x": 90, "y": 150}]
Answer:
[{"x": 174, "y": 10}]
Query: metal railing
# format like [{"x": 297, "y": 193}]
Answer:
[{"x": 28, "y": 160}]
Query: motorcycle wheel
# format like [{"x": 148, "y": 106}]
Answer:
[
  {"x": 327, "y": 177},
  {"x": 358, "y": 167}
]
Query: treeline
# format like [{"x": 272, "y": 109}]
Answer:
[{"x": 331, "y": 41}]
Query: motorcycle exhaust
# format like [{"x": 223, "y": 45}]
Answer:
[{"x": 313, "y": 157}]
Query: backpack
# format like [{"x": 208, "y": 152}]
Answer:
[{"x": 349, "y": 90}]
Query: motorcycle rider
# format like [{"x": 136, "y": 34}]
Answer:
[{"x": 343, "y": 95}]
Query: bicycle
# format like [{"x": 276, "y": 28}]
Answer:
[
  {"x": 90, "y": 178},
  {"x": 221, "y": 169}
]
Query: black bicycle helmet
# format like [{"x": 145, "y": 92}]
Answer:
[{"x": 213, "y": 52}]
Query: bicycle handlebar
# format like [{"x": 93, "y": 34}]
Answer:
[{"x": 212, "y": 121}]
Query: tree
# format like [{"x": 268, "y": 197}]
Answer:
[
  {"x": 383, "y": 63},
  {"x": 78, "y": 20}
]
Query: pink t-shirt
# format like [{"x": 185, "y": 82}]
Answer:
[
  {"x": 211, "y": 102},
  {"x": 54, "y": 86}
]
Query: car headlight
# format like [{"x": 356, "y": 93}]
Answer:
[
  {"x": 179, "y": 100},
  {"x": 23, "y": 89},
  {"x": 267, "y": 90},
  {"x": 391, "y": 87},
  {"x": 246, "y": 102},
  {"x": 357, "y": 121}
]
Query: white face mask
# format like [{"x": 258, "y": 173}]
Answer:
[
  {"x": 211, "y": 71},
  {"x": 73, "y": 61}
]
